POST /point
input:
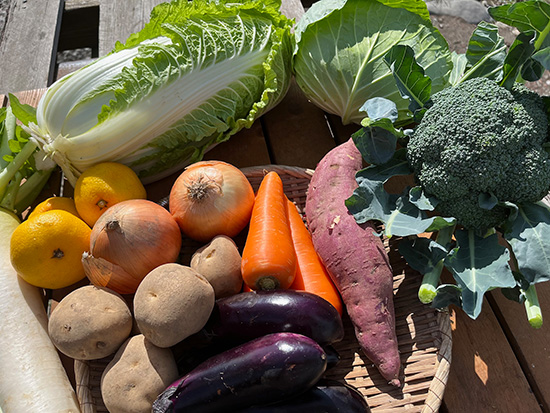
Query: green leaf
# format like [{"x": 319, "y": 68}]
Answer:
[
  {"x": 526, "y": 15},
  {"x": 421, "y": 200},
  {"x": 460, "y": 63},
  {"x": 487, "y": 201},
  {"x": 25, "y": 113},
  {"x": 543, "y": 57},
  {"x": 411, "y": 80},
  {"x": 530, "y": 241},
  {"x": 406, "y": 219},
  {"x": 446, "y": 295},
  {"x": 377, "y": 138},
  {"x": 478, "y": 265},
  {"x": 532, "y": 18},
  {"x": 485, "y": 53},
  {"x": 376, "y": 144},
  {"x": 370, "y": 201},
  {"x": 520, "y": 52},
  {"x": 532, "y": 70},
  {"x": 422, "y": 254}
]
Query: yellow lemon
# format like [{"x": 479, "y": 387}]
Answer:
[
  {"x": 46, "y": 251},
  {"x": 104, "y": 185},
  {"x": 55, "y": 202}
]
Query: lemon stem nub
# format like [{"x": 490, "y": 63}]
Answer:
[
  {"x": 102, "y": 204},
  {"x": 58, "y": 254}
]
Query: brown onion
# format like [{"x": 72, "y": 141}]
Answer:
[
  {"x": 129, "y": 240},
  {"x": 211, "y": 198}
]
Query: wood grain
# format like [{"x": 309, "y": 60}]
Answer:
[
  {"x": 118, "y": 19},
  {"x": 485, "y": 374},
  {"x": 28, "y": 49},
  {"x": 532, "y": 347}
]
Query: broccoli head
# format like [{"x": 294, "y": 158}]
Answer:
[{"x": 479, "y": 138}]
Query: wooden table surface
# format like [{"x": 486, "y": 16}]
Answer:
[{"x": 499, "y": 363}]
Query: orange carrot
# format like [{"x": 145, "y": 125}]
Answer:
[
  {"x": 268, "y": 258},
  {"x": 311, "y": 274}
]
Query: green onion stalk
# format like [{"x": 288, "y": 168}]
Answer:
[{"x": 24, "y": 171}]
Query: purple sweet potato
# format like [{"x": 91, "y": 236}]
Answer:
[{"x": 354, "y": 257}]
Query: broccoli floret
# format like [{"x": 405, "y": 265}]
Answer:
[{"x": 480, "y": 138}]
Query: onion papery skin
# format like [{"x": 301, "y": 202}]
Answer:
[
  {"x": 211, "y": 198},
  {"x": 129, "y": 240}
]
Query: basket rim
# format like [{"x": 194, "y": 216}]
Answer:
[{"x": 438, "y": 383}]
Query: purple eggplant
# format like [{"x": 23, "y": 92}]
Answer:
[
  {"x": 268, "y": 369},
  {"x": 328, "y": 396},
  {"x": 248, "y": 315}
]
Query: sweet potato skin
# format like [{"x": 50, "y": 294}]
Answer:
[{"x": 354, "y": 257}]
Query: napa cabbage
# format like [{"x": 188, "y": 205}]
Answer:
[{"x": 195, "y": 75}]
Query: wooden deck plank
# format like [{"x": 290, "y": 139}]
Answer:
[
  {"x": 485, "y": 375},
  {"x": 118, "y": 19},
  {"x": 28, "y": 49},
  {"x": 290, "y": 127},
  {"x": 532, "y": 347}
]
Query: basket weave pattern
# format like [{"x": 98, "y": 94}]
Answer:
[{"x": 424, "y": 334}]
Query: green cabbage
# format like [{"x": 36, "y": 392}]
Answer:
[
  {"x": 195, "y": 75},
  {"x": 340, "y": 46}
]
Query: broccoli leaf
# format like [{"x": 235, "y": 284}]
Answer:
[
  {"x": 543, "y": 57},
  {"x": 405, "y": 219},
  {"x": 422, "y": 254},
  {"x": 532, "y": 70},
  {"x": 478, "y": 265},
  {"x": 529, "y": 238},
  {"x": 370, "y": 201},
  {"x": 460, "y": 63},
  {"x": 486, "y": 50},
  {"x": 525, "y": 16},
  {"x": 422, "y": 201},
  {"x": 412, "y": 82},
  {"x": 532, "y": 19},
  {"x": 520, "y": 52},
  {"x": 377, "y": 139},
  {"x": 485, "y": 53},
  {"x": 447, "y": 294}
]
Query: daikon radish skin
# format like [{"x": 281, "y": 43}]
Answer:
[{"x": 32, "y": 377}]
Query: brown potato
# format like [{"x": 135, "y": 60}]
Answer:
[
  {"x": 90, "y": 323},
  {"x": 220, "y": 263},
  {"x": 138, "y": 373},
  {"x": 172, "y": 302}
]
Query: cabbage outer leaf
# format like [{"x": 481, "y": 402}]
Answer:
[
  {"x": 195, "y": 75},
  {"x": 340, "y": 46}
]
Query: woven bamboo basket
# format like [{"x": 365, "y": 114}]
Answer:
[{"x": 424, "y": 334}]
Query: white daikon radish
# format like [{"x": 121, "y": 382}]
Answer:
[{"x": 32, "y": 377}]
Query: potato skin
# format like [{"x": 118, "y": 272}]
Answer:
[
  {"x": 171, "y": 303},
  {"x": 219, "y": 262},
  {"x": 136, "y": 375},
  {"x": 90, "y": 323}
]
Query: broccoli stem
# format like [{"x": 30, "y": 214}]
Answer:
[
  {"x": 532, "y": 307},
  {"x": 430, "y": 281}
]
